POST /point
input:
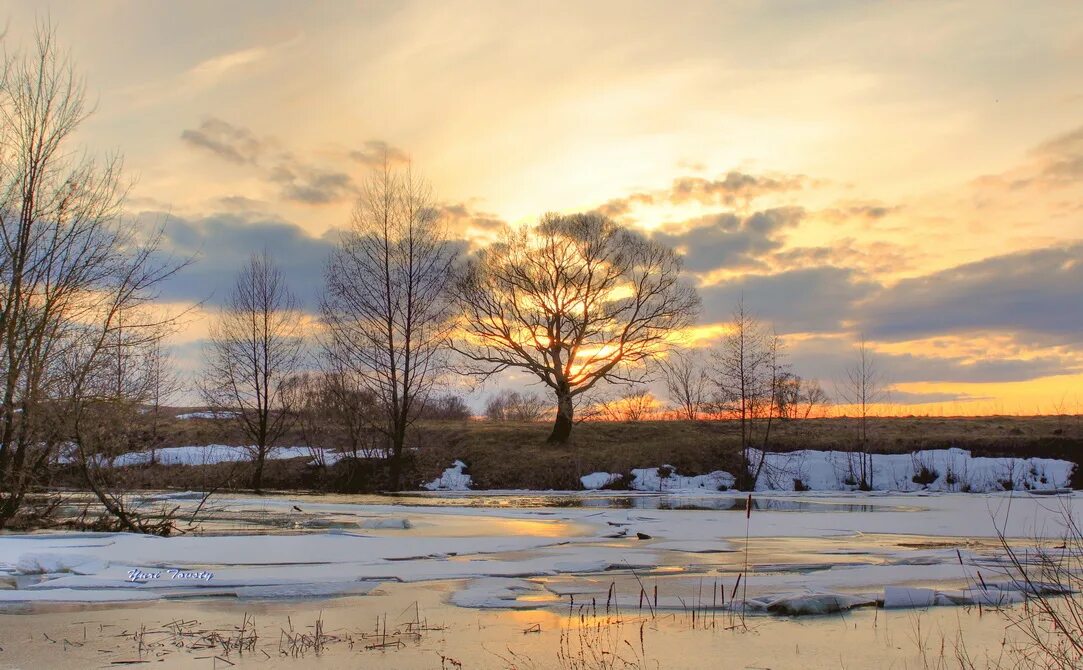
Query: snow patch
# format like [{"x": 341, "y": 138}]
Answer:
[
  {"x": 207, "y": 415},
  {"x": 599, "y": 480},
  {"x": 947, "y": 470},
  {"x": 453, "y": 479},
  {"x": 666, "y": 478},
  {"x": 942, "y": 470}
]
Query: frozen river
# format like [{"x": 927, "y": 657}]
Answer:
[{"x": 668, "y": 578}]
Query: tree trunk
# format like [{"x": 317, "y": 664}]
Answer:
[
  {"x": 562, "y": 427},
  {"x": 257, "y": 476}
]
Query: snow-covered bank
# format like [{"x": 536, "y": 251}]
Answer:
[
  {"x": 207, "y": 414},
  {"x": 208, "y": 454},
  {"x": 952, "y": 470}
]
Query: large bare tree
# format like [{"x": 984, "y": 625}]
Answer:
[
  {"x": 575, "y": 301},
  {"x": 256, "y": 346},
  {"x": 386, "y": 305},
  {"x": 70, "y": 265}
]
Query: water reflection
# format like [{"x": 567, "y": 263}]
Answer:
[{"x": 661, "y": 501}]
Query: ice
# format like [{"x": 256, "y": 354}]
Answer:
[
  {"x": 805, "y": 560},
  {"x": 48, "y": 563},
  {"x": 815, "y": 603},
  {"x": 696, "y": 546},
  {"x": 394, "y": 523},
  {"x": 499, "y": 593},
  {"x": 901, "y": 596},
  {"x": 453, "y": 479}
]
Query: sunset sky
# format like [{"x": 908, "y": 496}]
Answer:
[{"x": 909, "y": 171}]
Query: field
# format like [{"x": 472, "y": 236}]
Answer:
[{"x": 504, "y": 455}]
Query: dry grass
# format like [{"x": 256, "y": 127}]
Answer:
[{"x": 509, "y": 455}]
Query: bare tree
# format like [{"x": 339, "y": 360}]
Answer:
[
  {"x": 687, "y": 383},
  {"x": 386, "y": 308},
  {"x": 798, "y": 398},
  {"x": 162, "y": 385},
  {"x": 69, "y": 265},
  {"x": 863, "y": 387},
  {"x": 748, "y": 371},
  {"x": 446, "y": 407},
  {"x": 574, "y": 301},
  {"x": 515, "y": 406},
  {"x": 256, "y": 346},
  {"x": 333, "y": 413},
  {"x": 633, "y": 406}
]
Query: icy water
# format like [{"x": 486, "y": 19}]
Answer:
[
  {"x": 381, "y": 630},
  {"x": 527, "y": 580}
]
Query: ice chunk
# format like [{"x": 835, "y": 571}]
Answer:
[{"x": 816, "y": 603}]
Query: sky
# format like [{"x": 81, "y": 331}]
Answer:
[{"x": 910, "y": 173}]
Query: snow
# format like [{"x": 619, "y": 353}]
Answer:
[
  {"x": 598, "y": 480},
  {"x": 949, "y": 470},
  {"x": 453, "y": 479},
  {"x": 815, "y": 603},
  {"x": 667, "y": 479},
  {"x": 207, "y": 415},
  {"x": 49, "y": 563},
  {"x": 208, "y": 454},
  {"x": 946, "y": 469}
]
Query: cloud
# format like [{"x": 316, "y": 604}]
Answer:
[
  {"x": 374, "y": 152},
  {"x": 461, "y": 219},
  {"x": 1053, "y": 165},
  {"x": 870, "y": 257},
  {"x": 828, "y": 357},
  {"x": 222, "y": 243},
  {"x": 897, "y": 397},
  {"x": 734, "y": 189},
  {"x": 309, "y": 184},
  {"x": 215, "y": 67},
  {"x": 297, "y": 180},
  {"x": 1035, "y": 292},
  {"x": 1061, "y": 157},
  {"x": 728, "y": 240},
  {"x": 817, "y": 299},
  {"x": 225, "y": 140},
  {"x": 866, "y": 212}
]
